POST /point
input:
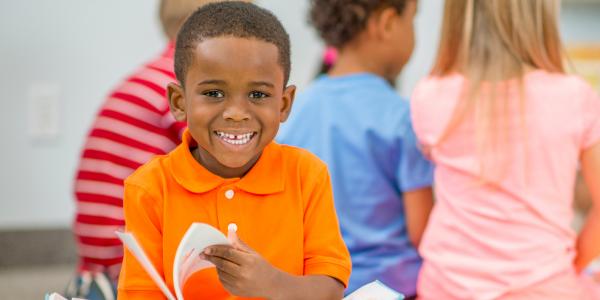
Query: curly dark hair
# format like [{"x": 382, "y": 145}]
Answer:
[
  {"x": 339, "y": 21},
  {"x": 230, "y": 18}
]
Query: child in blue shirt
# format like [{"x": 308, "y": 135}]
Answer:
[{"x": 354, "y": 120}]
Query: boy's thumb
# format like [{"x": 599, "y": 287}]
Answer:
[
  {"x": 232, "y": 233},
  {"x": 234, "y": 239}
]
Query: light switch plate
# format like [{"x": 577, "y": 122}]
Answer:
[{"x": 44, "y": 110}]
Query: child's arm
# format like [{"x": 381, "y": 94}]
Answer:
[
  {"x": 588, "y": 241},
  {"x": 414, "y": 177},
  {"x": 417, "y": 206},
  {"x": 243, "y": 272}
]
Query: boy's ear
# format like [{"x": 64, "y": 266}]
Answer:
[
  {"x": 176, "y": 101},
  {"x": 287, "y": 100}
]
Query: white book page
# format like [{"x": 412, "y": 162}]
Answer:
[
  {"x": 374, "y": 291},
  {"x": 55, "y": 296},
  {"x": 187, "y": 258},
  {"x": 134, "y": 247}
]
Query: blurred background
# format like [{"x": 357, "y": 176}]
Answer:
[{"x": 58, "y": 59}]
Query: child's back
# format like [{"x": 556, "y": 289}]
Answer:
[
  {"x": 506, "y": 128},
  {"x": 518, "y": 230},
  {"x": 361, "y": 128}
]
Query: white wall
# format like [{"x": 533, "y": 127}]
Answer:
[
  {"x": 427, "y": 26},
  {"x": 580, "y": 21},
  {"x": 85, "y": 47}
]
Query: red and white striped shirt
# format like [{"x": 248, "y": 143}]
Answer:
[{"x": 132, "y": 126}]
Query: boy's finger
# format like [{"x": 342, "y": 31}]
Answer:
[
  {"x": 223, "y": 265},
  {"x": 241, "y": 245},
  {"x": 235, "y": 240},
  {"x": 227, "y": 278},
  {"x": 228, "y": 281},
  {"x": 223, "y": 251},
  {"x": 232, "y": 232}
]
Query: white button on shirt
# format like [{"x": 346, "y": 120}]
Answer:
[{"x": 229, "y": 194}]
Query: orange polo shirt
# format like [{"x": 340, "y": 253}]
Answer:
[{"x": 283, "y": 208}]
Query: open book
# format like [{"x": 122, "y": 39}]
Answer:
[
  {"x": 187, "y": 257},
  {"x": 375, "y": 290},
  {"x": 56, "y": 296}
]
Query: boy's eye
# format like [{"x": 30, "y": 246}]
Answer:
[
  {"x": 257, "y": 95},
  {"x": 214, "y": 94}
]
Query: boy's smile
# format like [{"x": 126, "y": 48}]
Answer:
[
  {"x": 233, "y": 100},
  {"x": 234, "y": 138}
]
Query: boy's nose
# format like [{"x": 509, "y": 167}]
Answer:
[{"x": 236, "y": 110}]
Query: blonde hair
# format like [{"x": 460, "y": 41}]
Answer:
[
  {"x": 493, "y": 43},
  {"x": 173, "y": 13}
]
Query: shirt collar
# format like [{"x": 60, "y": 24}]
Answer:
[{"x": 265, "y": 177}]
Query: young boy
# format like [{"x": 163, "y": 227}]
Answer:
[
  {"x": 232, "y": 61},
  {"x": 354, "y": 120}
]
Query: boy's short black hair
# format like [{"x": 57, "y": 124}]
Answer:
[
  {"x": 339, "y": 21},
  {"x": 230, "y": 18}
]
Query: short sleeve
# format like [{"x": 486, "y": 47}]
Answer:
[
  {"x": 325, "y": 252},
  {"x": 141, "y": 219},
  {"x": 591, "y": 119},
  {"x": 414, "y": 171}
]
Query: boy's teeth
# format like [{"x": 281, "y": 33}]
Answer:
[{"x": 235, "y": 139}]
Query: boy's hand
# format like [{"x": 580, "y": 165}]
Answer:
[{"x": 242, "y": 271}]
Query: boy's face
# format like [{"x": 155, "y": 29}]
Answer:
[{"x": 233, "y": 100}]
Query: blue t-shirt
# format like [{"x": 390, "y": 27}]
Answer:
[{"x": 361, "y": 128}]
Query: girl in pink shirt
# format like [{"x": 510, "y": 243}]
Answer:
[{"x": 507, "y": 129}]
